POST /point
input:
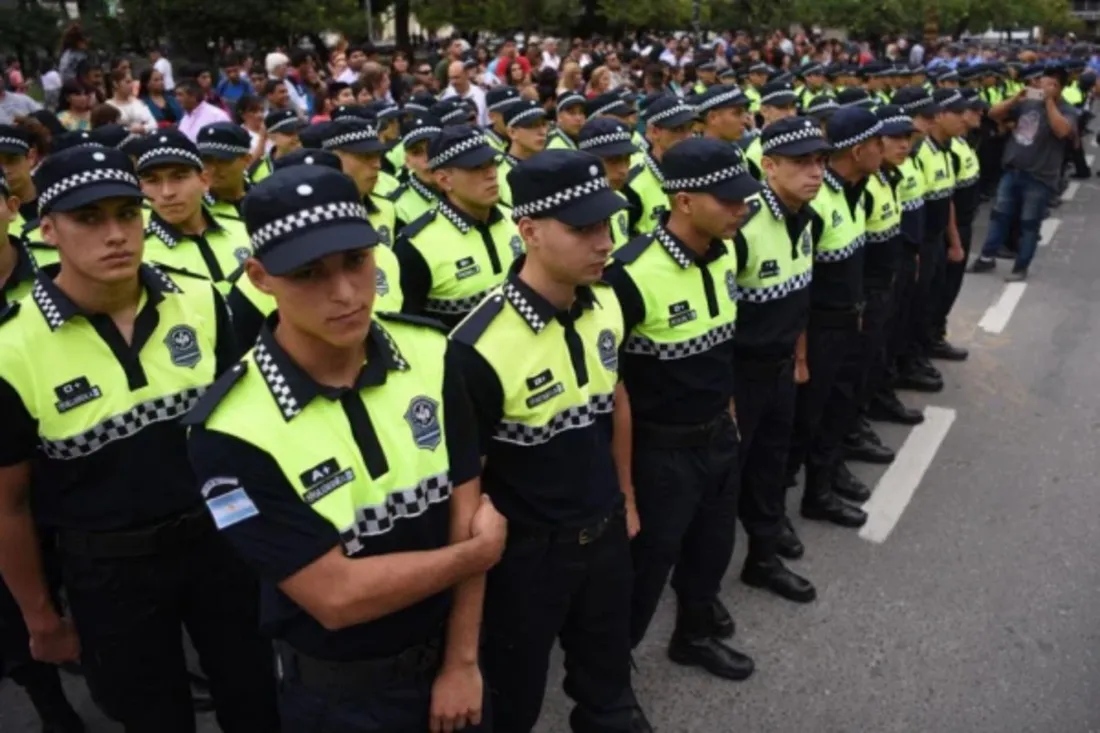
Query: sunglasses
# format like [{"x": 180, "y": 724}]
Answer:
[{"x": 424, "y": 72}]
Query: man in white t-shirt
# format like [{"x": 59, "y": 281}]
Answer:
[
  {"x": 461, "y": 87},
  {"x": 550, "y": 58},
  {"x": 164, "y": 66}
]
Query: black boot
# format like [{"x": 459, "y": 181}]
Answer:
[
  {"x": 859, "y": 446},
  {"x": 693, "y": 646},
  {"x": 721, "y": 622},
  {"x": 886, "y": 407},
  {"x": 847, "y": 486},
  {"x": 913, "y": 378},
  {"x": 43, "y": 685},
  {"x": 764, "y": 569},
  {"x": 925, "y": 365},
  {"x": 821, "y": 503},
  {"x": 787, "y": 544},
  {"x": 944, "y": 349}
]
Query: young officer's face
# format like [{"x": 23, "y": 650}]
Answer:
[
  {"x": 718, "y": 218},
  {"x": 896, "y": 149},
  {"x": 476, "y": 186},
  {"x": 416, "y": 159},
  {"x": 799, "y": 177},
  {"x": 571, "y": 120},
  {"x": 571, "y": 254},
  {"x": 532, "y": 138},
  {"x": 225, "y": 175},
  {"x": 17, "y": 169},
  {"x": 617, "y": 168},
  {"x": 103, "y": 242},
  {"x": 345, "y": 96},
  {"x": 175, "y": 191},
  {"x": 285, "y": 143},
  {"x": 362, "y": 168}
]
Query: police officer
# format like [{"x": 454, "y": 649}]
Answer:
[
  {"x": 226, "y": 151},
  {"x": 413, "y": 198},
  {"x": 620, "y": 106},
  {"x": 612, "y": 142},
  {"x": 555, "y": 436},
  {"x": 723, "y": 109},
  {"x": 668, "y": 122},
  {"x": 282, "y": 128},
  {"x": 451, "y": 112},
  {"x": 497, "y": 100},
  {"x": 821, "y": 108},
  {"x": 334, "y": 458},
  {"x": 386, "y": 117},
  {"x": 570, "y": 118},
  {"x": 97, "y": 366},
  {"x": 182, "y": 233},
  {"x": 827, "y": 403},
  {"x": 777, "y": 102},
  {"x": 527, "y": 129},
  {"x": 814, "y": 75},
  {"x": 17, "y": 262},
  {"x": 678, "y": 294},
  {"x": 757, "y": 78},
  {"x": 774, "y": 269},
  {"x": 855, "y": 97},
  {"x": 355, "y": 142},
  {"x": 17, "y": 159},
  {"x": 454, "y": 254}
]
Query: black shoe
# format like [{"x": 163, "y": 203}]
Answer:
[
  {"x": 771, "y": 574},
  {"x": 787, "y": 543},
  {"x": 712, "y": 655},
  {"x": 829, "y": 508},
  {"x": 862, "y": 449},
  {"x": 983, "y": 265},
  {"x": 721, "y": 622},
  {"x": 1004, "y": 253},
  {"x": 886, "y": 407},
  {"x": 848, "y": 486},
  {"x": 925, "y": 366},
  {"x": 944, "y": 349},
  {"x": 918, "y": 381}
]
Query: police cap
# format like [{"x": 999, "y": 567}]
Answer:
[
  {"x": 524, "y": 113},
  {"x": 166, "y": 147},
  {"x": 115, "y": 136},
  {"x": 973, "y": 99},
  {"x": 777, "y": 94},
  {"x": 895, "y": 122},
  {"x": 854, "y": 97},
  {"x": 13, "y": 140},
  {"x": 566, "y": 185},
  {"x": 80, "y": 176},
  {"x": 707, "y": 165},
  {"x": 606, "y": 138},
  {"x": 314, "y": 135},
  {"x": 608, "y": 103},
  {"x": 345, "y": 111},
  {"x": 949, "y": 100},
  {"x": 302, "y": 213},
  {"x": 352, "y": 135},
  {"x": 450, "y": 112},
  {"x": 948, "y": 75},
  {"x": 720, "y": 96},
  {"x": 569, "y": 99},
  {"x": 821, "y": 107},
  {"x": 460, "y": 146},
  {"x": 307, "y": 156},
  {"x": 915, "y": 101},
  {"x": 283, "y": 121},
  {"x": 852, "y": 126},
  {"x": 419, "y": 102},
  {"x": 381, "y": 110},
  {"x": 224, "y": 141},
  {"x": 72, "y": 139},
  {"x": 793, "y": 137},
  {"x": 668, "y": 112},
  {"x": 499, "y": 97},
  {"x": 415, "y": 128}
]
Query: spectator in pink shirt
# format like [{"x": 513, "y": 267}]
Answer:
[{"x": 197, "y": 113}]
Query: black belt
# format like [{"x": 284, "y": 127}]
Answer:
[
  {"x": 361, "y": 675},
  {"x": 149, "y": 540},
  {"x": 849, "y": 318},
  {"x": 583, "y": 535},
  {"x": 760, "y": 369},
  {"x": 681, "y": 436}
]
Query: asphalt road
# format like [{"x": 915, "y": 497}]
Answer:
[{"x": 978, "y": 611}]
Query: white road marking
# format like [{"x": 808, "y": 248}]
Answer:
[
  {"x": 1071, "y": 191},
  {"x": 998, "y": 314},
  {"x": 1089, "y": 158},
  {"x": 896, "y": 487},
  {"x": 1047, "y": 230}
]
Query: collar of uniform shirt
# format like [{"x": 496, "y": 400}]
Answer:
[
  {"x": 172, "y": 236},
  {"x": 852, "y": 191},
  {"x": 463, "y": 221},
  {"x": 425, "y": 193},
  {"x": 684, "y": 255},
  {"x": 282, "y": 373},
  {"x": 527, "y": 301},
  {"x": 59, "y": 308}
]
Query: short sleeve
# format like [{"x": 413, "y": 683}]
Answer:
[
  {"x": 18, "y": 430},
  {"x": 463, "y": 449},
  {"x": 247, "y": 318},
  {"x": 626, "y": 291},
  {"x": 416, "y": 278},
  {"x": 482, "y": 387}
]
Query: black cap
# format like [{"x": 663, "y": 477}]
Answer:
[
  {"x": 895, "y": 122},
  {"x": 419, "y": 102},
  {"x": 608, "y": 103},
  {"x": 83, "y": 175},
  {"x": 352, "y": 135},
  {"x": 1056, "y": 71},
  {"x": 949, "y": 100},
  {"x": 570, "y": 99},
  {"x": 284, "y": 121},
  {"x": 415, "y": 128},
  {"x": 524, "y": 113},
  {"x": 313, "y": 136},
  {"x": 499, "y": 97},
  {"x": 855, "y": 97},
  {"x": 72, "y": 139},
  {"x": 915, "y": 101},
  {"x": 345, "y": 111},
  {"x": 606, "y": 137},
  {"x": 760, "y": 68},
  {"x": 450, "y": 112},
  {"x": 667, "y": 112},
  {"x": 115, "y": 136},
  {"x": 307, "y": 156},
  {"x": 224, "y": 141},
  {"x": 166, "y": 147},
  {"x": 13, "y": 140},
  {"x": 382, "y": 110},
  {"x": 566, "y": 185},
  {"x": 720, "y": 96},
  {"x": 793, "y": 137},
  {"x": 302, "y": 213},
  {"x": 460, "y": 146},
  {"x": 777, "y": 94},
  {"x": 851, "y": 126},
  {"x": 811, "y": 68},
  {"x": 973, "y": 99},
  {"x": 821, "y": 106},
  {"x": 707, "y": 165}
]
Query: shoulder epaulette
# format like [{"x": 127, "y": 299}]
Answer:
[
  {"x": 634, "y": 172},
  {"x": 9, "y": 312},
  {"x": 633, "y": 249},
  {"x": 396, "y": 193},
  {"x": 214, "y": 394},
  {"x": 417, "y": 225},
  {"x": 29, "y": 226},
  {"x": 388, "y": 166},
  {"x": 394, "y": 317},
  {"x": 470, "y": 329},
  {"x": 169, "y": 270}
]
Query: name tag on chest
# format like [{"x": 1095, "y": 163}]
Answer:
[{"x": 681, "y": 313}]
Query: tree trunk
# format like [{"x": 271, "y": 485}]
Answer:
[{"x": 401, "y": 23}]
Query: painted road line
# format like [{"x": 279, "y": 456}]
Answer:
[
  {"x": 896, "y": 487},
  {"x": 1047, "y": 230},
  {"x": 998, "y": 315},
  {"x": 1071, "y": 191}
]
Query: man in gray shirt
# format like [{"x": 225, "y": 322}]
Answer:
[
  {"x": 13, "y": 104},
  {"x": 1032, "y": 167}
]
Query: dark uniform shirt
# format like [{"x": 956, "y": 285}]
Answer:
[{"x": 18, "y": 283}]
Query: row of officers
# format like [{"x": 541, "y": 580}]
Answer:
[{"x": 451, "y": 442}]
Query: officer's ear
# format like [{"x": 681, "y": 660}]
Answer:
[
  {"x": 258, "y": 275},
  {"x": 443, "y": 179},
  {"x": 529, "y": 230},
  {"x": 11, "y": 206},
  {"x": 768, "y": 164},
  {"x": 48, "y": 229},
  {"x": 204, "y": 176}
]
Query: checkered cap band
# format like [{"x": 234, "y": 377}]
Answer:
[
  {"x": 679, "y": 108},
  {"x": 703, "y": 182},
  {"x": 455, "y": 306},
  {"x": 283, "y": 124},
  {"x": 955, "y": 98},
  {"x": 918, "y": 104},
  {"x": 124, "y": 425},
  {"x": 415, "y": 107},
  {"x": 526, "y": 115},
  {"x": 212, "y": 147},
  {"x": 840, "y": 254},
  {"x": 870, "y": 132},
  {"x": 791, "y": 285},
  {"x": 355, "y": 136},
  {"x": 307, "y": 218},
  {"x": 16, "y": 142},
  {"x": 420, "y": 133},
  {"x": 560, "y": 198},
  {"x": 776, "y": 96},
  {"x": 897, "y": 120},
  {"x": 722, "y": 98},
  {"x": 861, "y": 102},
  {"x": 155, "y": 153},
  {"x": 454, "y": 114},
  {"x": 606, "y": 108},
  {"x": 759, "y": 67},
  {"x": 462, "y": 146},
  {"x": 813, "y": 132},
  {"x": 408, "y": 503},
  {"x": 84, "y": 178},
  {"x": 569, "y": 101},
  {"x": 821, "y": 106},
  {"x": 813, "y": 69},
  {"x": 573, "y": 418},
  {"x": 621, "y": 136},
  {"x": 673, "y": 350},
  {"x": 501, "y": 104}
]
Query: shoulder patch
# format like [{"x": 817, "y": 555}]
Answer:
[
  {"x": 634, "y": 172},
  {"x": 633, "y": 249},
  {"x": 214, "y": 394},
  {"x": 178, "y": 271},
  {"x": 394, "y": 317},
  {"x": 475, "y": 324},
  {"x": 417, "y": 225},
  {"x": 8, "y": 312}
]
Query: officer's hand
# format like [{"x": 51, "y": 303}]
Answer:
[
  {"x": 633, "y": 522},
  {"x": 456, "y": 698},
  {"x": 801, "y": 371},
  {"x": 491, "y": 528},
  {"x": 56, "y": 642},
  {"x": 955, "y": 253}
]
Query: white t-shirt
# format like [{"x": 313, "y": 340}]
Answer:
[
  {"x": 475, "y": 93},
  {"x": 51, "y": 81},
  {"x": 164, "y": 66},
  {"x": 134, "y": 111},
  {"x": 550, "y": 61}
]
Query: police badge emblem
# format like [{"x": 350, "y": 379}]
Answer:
[
  {"x": 605, "y": 346},
  {"x": 807, "y": 243},
  {"x": 623, "y": 224},
  {"x": 731, "y": 285},
  {"x": 516, "y": 244},
  {"x": 381, "y": 283},
  {"x": 241, "y": 254},
  {"x": 384, "y": 235},
  {"x": 838, "y": 220},
  {"x": 423, "y": 417},
  {"x": 183, "y": 346}
]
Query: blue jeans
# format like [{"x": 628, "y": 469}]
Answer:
[{"x": 1018, "y": 193}]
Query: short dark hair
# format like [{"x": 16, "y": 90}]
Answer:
[
  {"x": 104, "y": 114},
  {"x": 189, "y": 85},
  {"x": 299, "y": 56},
  {"x": 270, "y": 86},
  {"x": 247, "y": 103}
]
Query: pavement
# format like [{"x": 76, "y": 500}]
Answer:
[{"x": 969, "y": 603}]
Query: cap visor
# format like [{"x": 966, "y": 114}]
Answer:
[
  {"x": 159, "y": 161},
  {"x": 800, "y": 148},
  {"x": 221, "y": 154},
  {"x": 737, "y": 188},
  {"x": 677, "y": 120},
  {"x": 474, "y": 158},
  {"x": 14, "y": 150},
  {"x": 781, "y": 100},
  {"x": 345, "y": 236},
  {"x": 619, "y": 109},
  {"x": 87, "y": 195},
  {"x": 529, "y": 121},
  {"x": 365, "y": 147},
  {"x": 590, "y": 210},
  {"x": 957, "y": 107},
  {"x": 897, "y": 129},
  {"x": 612, "y": 150}
]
